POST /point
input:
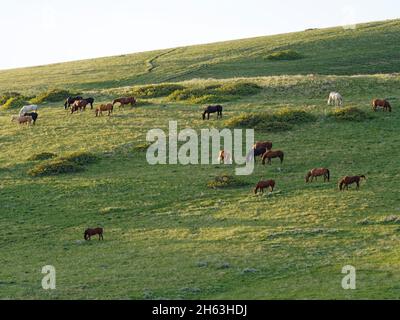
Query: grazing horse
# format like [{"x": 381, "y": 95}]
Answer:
[
  {"x": 263, "y": 185},
  {"x": 70, "y": 101},
  {"x": 225, "y": 157},
  {"x": 271, "y": 155},
  {"x": 89, "y": 101},
  {"x": 335, "y": 98},
  {"x": 254, "y": 153},
  {"x": 381, "y": 104},
  {"x": 104, "y": 107},
  {"x": 79, "y": 105},
  {"x": 314, "y": 173},
  {"x": 26, "y": 109},
  {"x": 92, "y": 232},
  {"x": 212, "y": 109},
  {"x": 125, "y": 101},
  {"x": 34, "y": 116},
  {"x": 346, "y": 181},
  {"x": 22, "y": 119}
]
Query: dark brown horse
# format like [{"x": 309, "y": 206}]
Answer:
[
  {"x": 212, "y": 109},
  {"x": 70, "y": 101},
  {"x": 89, "y": 101},
  {"x": 346, "y": 181},
  {"x": 269, "y": 155},
  {"x": 254, "y": 153},
  {"x": 264, "y": 185},
  {"x": 125, "y": 101},
  {"x": 381, "y": 104},
  {"x": 92, "y": 232},
  {"x": 314, "y": 173},
  {"x": 104, "y": 107},
  {"x": 263, "y": 144}
]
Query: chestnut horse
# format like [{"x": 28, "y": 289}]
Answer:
[
  {"x": 346, "y": 181},
  {"x": 314, "y": 173},
  {"x": 271, "y": 155},
  {"x": 104, "y": 107},
  {"x": 92, "y": 232},
  {"x": 79, "y": 105},
  {"x": 264, "y": 185},
  {"x": 125, "y": 101},
  {"x": 212, "y": 109},
  {"x": 258, "y": 149},
  {"x": 383, "y": 104}
]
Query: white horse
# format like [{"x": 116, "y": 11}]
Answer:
[
  {"x": 27, "y": 109},
  {"x": 336, "y": 99}
]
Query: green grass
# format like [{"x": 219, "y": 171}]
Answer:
[{"x": 167, "y": 233}]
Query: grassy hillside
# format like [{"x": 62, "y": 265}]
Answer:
[
  {"x": 167, "y": 234},
  {"x": 369, "y": 49}
]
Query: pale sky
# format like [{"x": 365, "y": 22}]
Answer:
[{"x": 48, "y": 31}]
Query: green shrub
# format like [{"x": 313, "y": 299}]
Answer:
[
  {"x": 80, "y": 158},
  {"x": 54, "y": 167},
  {"x": 42, "y": 156},
  {"x": 282, "y": 120},
  {"x": 4, "y": 97},
  {"x": 215, "y": 93},
  {"x": 156, "y": 91},
  {"x": 16, "y": 102},
  {"x": 284, "y": 55},
  {"x": 142, "y": 147},
  {"x": 226, "y": 181},
  {"x": 54, "y": 95},
  {"x": 349, "y": 114}
]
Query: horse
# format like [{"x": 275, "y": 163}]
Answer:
[
  {"x": 225, "y": 157},
  {"x": 263, "y": 144},
  {"x": 263, "y": 185},
  {"x": 314, "y": 173},
  {"x": 346, "y": 181},
  {"x": 26, "y": 109},
  {"x": 383, "y": 104},
  {"x": 79, "y": 105},
  {"x": 89, "y": 101},
  {"x": 212, "y": 109},
  {"x": 104, "y": 107},
  {"x": 125, "y": 101},
  {"x": 34, "y": 116},
  {"x": 271, "y": 155},
  {"x": 22, "y": 119},
  {"x": 70, "y": 101},
  {"x": 92, "y": 232},
  {"x": 335, "y": 98}
]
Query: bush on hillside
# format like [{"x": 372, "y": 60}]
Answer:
[
  {"x": 16, "y": 102},
  {"x": 282, "y": 120},
  {"x": 284, "y": 55},
  {"x": 80, "y": 158},
  {"x": 54, "y": 167},
  {"x": 4, "y": 97},
  {"x": 42, "y": 156},
  {"x": 226, "y": 181},
  {"x": 156, "y": 91},
  {"x": 215, "y": 93},
  {"x": 349, "y": 114},
  {"x": 53, "y": 95}
]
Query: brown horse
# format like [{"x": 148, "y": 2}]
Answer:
[
  {"x": 381, "y": 104},
  {"x": 258, "y": 149},
  {"x": 263, "y": 144},
  {"x": 314, "y": 173},
  {"x": 125, "y": 101},
  {"x": 104, "y": 107},
  {"x": 269, "y": 155},
  {"x": 346, "y": 181},
  {"x": 79, "y": 105},
  {"x": 212, "y": 109},
  {"x": 92, "y": 232},
  {"x": 264, "y": 185}
]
